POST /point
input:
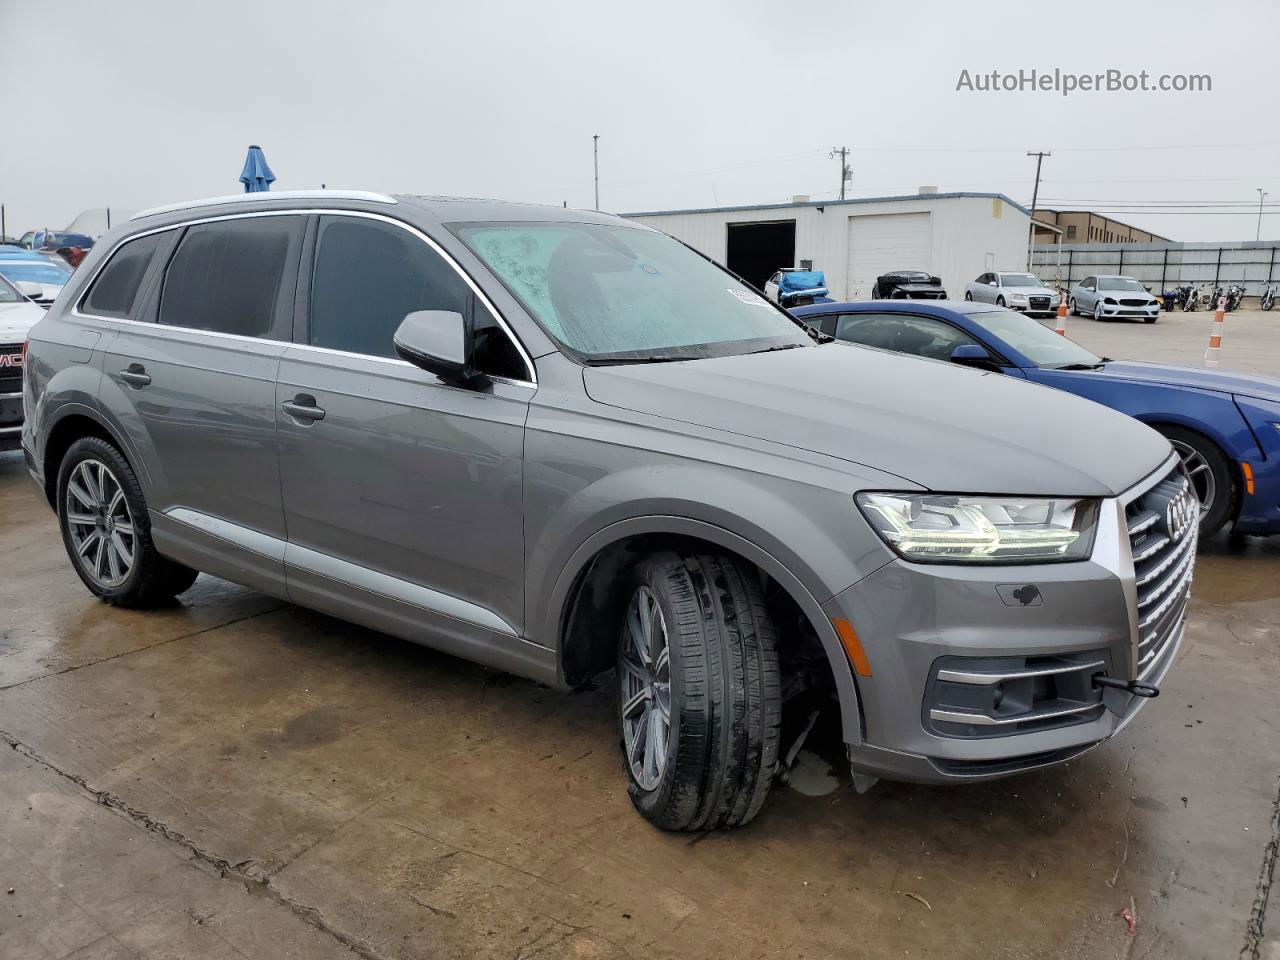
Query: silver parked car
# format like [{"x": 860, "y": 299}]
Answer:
[
  {"x": 1024, "y": 292},
  {"x": 562, "y": 444},
  {"x": 1108, "y": 297}
]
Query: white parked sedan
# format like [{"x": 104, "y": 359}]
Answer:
[
  {"x": 1107, "y": 297},
  {"x": 36, "y": 269},
  {"x": 1023, "y": 292}
]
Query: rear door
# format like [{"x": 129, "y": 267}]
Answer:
[
  {"x": 193, "y": 386},
  {"x": 403, "y": 495}
]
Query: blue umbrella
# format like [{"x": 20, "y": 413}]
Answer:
[{"x": 256, "y": 175}]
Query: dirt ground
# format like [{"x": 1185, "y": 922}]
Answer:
[{"x": 237, "y": 777}]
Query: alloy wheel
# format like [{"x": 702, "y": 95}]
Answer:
[
  {"x": 100, "y": 524},
  {"x": 645, "y": 676},
  {"x": 1201, "y": 473}
]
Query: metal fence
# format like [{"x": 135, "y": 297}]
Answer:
[{"x": 1163, "y": 265}]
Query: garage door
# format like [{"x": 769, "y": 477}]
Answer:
[{"x": 882, "y": 243}]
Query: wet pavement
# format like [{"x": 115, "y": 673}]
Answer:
[{"x": 237, "y": 777}]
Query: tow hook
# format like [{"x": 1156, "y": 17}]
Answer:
[{"x": 1135, "y": 687}]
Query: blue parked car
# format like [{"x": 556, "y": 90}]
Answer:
[{"x": 1226, "y": 426}]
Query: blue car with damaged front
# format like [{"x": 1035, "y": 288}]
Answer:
[{"x": 1224, "y": 425}]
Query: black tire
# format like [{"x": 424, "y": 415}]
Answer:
[
  {"x": 968, "y": 296},
  {"x": 1225, "y": 494},
  {"x": 724, "y": 697},
  {"x": 999, "y": 301},
  {"x": 1071, "y": 308},
  {"x": 152, "y": 579},
  {"x": 1150, "y": 319}
]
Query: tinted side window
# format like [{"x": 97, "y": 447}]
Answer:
[
  {"x": 902, "y": 333},
  {"x": 115, "y": 291},
  {"x": 368, "y": 275},
  {"x": 228, "y": 276}
]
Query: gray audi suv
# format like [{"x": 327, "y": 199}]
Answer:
[{"x": 565, "y": 445}]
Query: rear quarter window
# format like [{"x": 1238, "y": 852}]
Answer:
[{"x": 115, "y": 290}]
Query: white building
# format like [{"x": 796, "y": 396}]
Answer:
[{"x": 955, "y": 236}]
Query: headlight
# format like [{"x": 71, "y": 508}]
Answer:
[
  {"x": 944, "y": 528},
  {"x": 1018, "y": 296}
]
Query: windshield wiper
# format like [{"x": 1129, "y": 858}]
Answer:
[
  {"x": 1080, "y": 366},
  {"x": 784, "y": 346}
]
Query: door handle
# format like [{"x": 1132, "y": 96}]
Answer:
[
  {"x": 303, "y": 407},
  {"x": 135, "y": 375}
]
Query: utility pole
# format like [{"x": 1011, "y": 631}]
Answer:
[
  {"x": 1035, "y": 196},
  {"x": 845, "y": 173},
  {"x": 595, "y": 155},
  {"x": 1261, "y": 194}
]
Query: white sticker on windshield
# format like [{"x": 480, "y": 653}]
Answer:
[{"x": 749, "y": 298}]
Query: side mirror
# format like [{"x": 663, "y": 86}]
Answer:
[
  {"x": 992, "y": 283},
  {"x": 973, "y": 355},
  {"x": 439, "y": 342},
  {"x": 32, "y": 291}
]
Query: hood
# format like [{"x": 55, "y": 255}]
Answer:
[
  {"x": 17, "y": 318},
  {"x": 1126, "y": 295},
  {"x": 1244, "y": 384},
  {"x": 941, "y": 426},
  {"x": 1029, "y": 291}
]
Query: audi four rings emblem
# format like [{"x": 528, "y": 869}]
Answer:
[{"x": 1182, "y": 512}]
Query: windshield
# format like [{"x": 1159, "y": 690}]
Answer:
[
  {"x": 34, "y": 272},
  {"x": 1020, "y": 280},
  {"x": 617, "y": 293},
  {"x": 1120, "y": 283},
  {"x": 1034, "y": 341}
]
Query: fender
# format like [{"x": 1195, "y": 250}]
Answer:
[{"x": 846, "y": 685}]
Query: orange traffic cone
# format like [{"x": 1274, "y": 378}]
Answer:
[
  {"x": 1061, "y": 328},
  {"x": 1215, "y": 336}
]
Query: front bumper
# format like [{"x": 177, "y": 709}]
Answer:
[
  {"x": 1260, "y": 510},
  {"x": 10, "y": 420},
  {"x": 969, "y": 683},
  {"x": 1040, "y": 307},
  {"x": 1120, "y": 310}
]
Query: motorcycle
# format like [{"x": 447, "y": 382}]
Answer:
[
  {"x": 1187, "y": 297},
  {"x": 1235, "y": 294},
  {"x": 1268, "y": 298}
]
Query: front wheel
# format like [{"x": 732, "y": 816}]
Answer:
[
  {"x": 969, "y": 297},
  {"x": 1097, "y": 311},
  {"x": 1210, "y": 474},
  {"x": 106, "y": 530},
  {"x": 1071, "y": 308},
  {"x": 699, "y": 692}
]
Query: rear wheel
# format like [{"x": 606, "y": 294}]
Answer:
[
  {"x": 1210, "y": 474},
  {"x": 699, "y": 692},
  {"x": 106, "y": 530}
]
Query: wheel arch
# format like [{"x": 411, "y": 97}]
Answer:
[
  {"x": 580, "y": 617},
  {"x": 1198, "y": 427},
  {"x": 74, "y": 421}
]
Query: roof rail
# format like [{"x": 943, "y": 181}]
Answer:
[{"x": 267, "y": 196}]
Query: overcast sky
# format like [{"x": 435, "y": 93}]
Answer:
[{"x": 132, "y": 103}]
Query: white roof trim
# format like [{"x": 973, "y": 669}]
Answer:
[{"x": 268, "y": 196}]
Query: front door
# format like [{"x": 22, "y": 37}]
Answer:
[
  {"x": 194, "y": 388},
  {"x": 403, "y": 495}
]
